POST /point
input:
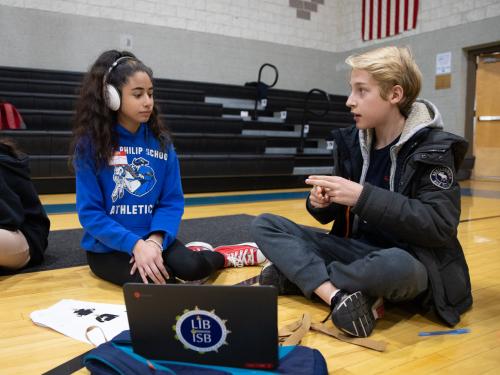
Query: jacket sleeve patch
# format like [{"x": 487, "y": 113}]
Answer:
[{"x": 442, "y": 177}]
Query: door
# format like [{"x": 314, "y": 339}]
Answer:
[{"x": 487, "y": 124}]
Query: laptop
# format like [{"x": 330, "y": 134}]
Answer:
[{"x": 233, "y": 326}]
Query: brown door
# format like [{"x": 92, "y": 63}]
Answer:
[{"x": 487, "y": 126}]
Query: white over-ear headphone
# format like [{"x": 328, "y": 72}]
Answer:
[{"x": 111, "y": 93}]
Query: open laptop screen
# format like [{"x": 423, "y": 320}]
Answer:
[{"x": 206, "y": 324}]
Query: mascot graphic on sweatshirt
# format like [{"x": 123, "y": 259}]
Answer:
[{"x": 138, "y": 178}]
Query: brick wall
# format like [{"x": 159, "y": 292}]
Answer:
[{"x": 328, "y": 25}]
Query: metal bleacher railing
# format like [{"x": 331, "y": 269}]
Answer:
[
  {"x": 307, "y": 111},
  {"x": 261, "y": 87}
]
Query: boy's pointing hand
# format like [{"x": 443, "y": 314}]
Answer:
[{"x": 338, "y": 189}]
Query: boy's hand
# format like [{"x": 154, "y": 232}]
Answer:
[
  {"x": 338, "y": 189},
  {"x": 318, "y": 197}
]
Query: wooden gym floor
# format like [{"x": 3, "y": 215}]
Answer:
[{"x": 28, "y": 349}]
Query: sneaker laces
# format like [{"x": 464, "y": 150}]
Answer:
[
  {"x": 336, "y": 298},
  {"x": 377, "y": 308},
  {"x": 328, "y": 316},
  {"x": 241, "y": 258}
]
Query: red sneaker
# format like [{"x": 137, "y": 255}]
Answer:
[
  {"x": 199, "y": 246},
  {"x": 240, "y": 255}
]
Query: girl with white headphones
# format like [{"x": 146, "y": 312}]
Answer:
[{"x": 128, "y": 186}]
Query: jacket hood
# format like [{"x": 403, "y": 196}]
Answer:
[{"x": 423, "y": 114}]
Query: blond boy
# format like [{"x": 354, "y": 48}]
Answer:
[{"x": 395, "y": 203}]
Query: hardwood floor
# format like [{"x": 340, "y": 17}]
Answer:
[{"x": 29, "y": 349}]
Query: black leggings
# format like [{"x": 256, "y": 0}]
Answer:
[{"x": 178, "y": 259}]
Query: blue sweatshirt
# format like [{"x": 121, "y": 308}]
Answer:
[{"x": 138, "y": 192}]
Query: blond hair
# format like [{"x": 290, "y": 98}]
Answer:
[{"x": 391, "y": 66}]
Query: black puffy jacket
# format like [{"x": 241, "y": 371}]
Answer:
[{"x": 421, "y": 211}]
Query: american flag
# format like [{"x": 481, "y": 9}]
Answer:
[{"x": 384, "y": 18}]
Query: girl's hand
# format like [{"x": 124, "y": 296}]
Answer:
[
  {"x": 318, "y": 197},
  {"x": 338, "y": 189},
  {"x": 148, "y": 261}
]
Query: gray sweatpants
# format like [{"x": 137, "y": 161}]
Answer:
[{"x": 309, "y": 258}]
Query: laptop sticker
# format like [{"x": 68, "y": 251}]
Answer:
[{"x": 201, "y": 330}]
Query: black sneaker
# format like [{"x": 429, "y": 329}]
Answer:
[
  {"x": 355, "y": 313},
  {"x": 270, "y": 275}
]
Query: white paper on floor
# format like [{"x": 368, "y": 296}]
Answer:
[{"x": 99, "y": 322}]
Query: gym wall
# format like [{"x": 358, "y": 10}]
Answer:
[{"x": 227, "y": 40}]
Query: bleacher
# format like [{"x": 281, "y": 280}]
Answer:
[{"x": 222, "y": 143}]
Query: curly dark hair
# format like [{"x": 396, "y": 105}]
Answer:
[{"x": 94, "y": 122}]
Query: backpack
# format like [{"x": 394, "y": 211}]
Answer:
[
  {"x": 10, "y": 118},
  {"x": 117, "y": 357}
]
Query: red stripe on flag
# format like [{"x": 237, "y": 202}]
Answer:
[
  {"x": 403, "y": 18},
  {"x": 415, "y": 13},
  {"x": 370, "y": 36},
  {"x": 379, "y": 20},
  {"x": 363, "y": 7},
  {"x": 406, "y": 15},
  {"x": 388, "y": 18},
  {"x": 396, "y": 19}
]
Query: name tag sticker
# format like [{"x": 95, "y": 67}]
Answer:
[{"x": 118, "y": 158}]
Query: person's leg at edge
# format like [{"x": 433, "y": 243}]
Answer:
[{"x": 14, "y": 249}]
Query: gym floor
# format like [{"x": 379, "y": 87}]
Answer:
[{"x": 29, "y": 349}]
